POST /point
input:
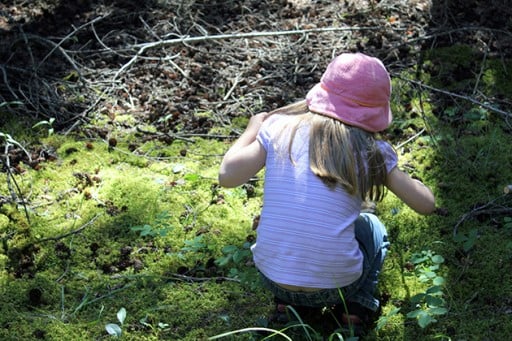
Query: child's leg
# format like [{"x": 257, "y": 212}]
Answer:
[{"x": 373, "y": 241}]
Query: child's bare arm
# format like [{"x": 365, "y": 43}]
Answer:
[
  {"x": 411, "y": 191},
  {"x": 245, "y": 158}
]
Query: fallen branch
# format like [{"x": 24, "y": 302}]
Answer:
[
  {"x": 188, "y": 39},
  {"x": 490, "y": 208}
]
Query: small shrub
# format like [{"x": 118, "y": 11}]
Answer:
[{"x": 429, "y": 303}]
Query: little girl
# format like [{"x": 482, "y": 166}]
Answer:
[{"x": 322, "y": 160}]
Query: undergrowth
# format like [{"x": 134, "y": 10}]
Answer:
[{"x": 138, "y": 241}]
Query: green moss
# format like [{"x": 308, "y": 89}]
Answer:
[
  {"x": 496, "y": 78},
  {"x": 4, "y": 222}
]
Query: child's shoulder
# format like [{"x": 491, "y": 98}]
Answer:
[{"x": 278, "y": 121}]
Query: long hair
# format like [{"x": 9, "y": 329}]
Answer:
[{"x": 340, "y": 154}]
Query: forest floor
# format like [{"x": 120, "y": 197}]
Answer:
[{"x": 111, "y": 201}]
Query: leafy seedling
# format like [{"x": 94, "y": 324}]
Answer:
[{"x": 113, "y": 328}]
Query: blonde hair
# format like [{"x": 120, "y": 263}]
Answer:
[{"x": 340, "y": 154}]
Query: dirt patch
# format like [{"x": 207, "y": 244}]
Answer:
[{"x": 162, "y": 61}]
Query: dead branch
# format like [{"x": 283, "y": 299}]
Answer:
[
  {"x": 490, "y": 208},
  {"x": 67, "y": 37},
  {"x": 78, "y": 230},
  {"x": 188, "y": 40}
]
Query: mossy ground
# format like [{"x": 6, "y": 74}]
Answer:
[{"x": 140, "y": 225}]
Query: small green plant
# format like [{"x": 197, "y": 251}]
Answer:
[
  {"x": 235, "y": 254},
  {"x": 10, "y": 141},
  {"x": 429, "y": 303},
  {"x": 114, "y": 328},
  {"x": 468, "y": 240},
  {"x": 160, "y": 325},
  {"x": 384, "y": 319},
  {"x": 239, "y": 261},
  {"x": 46, "y": 123},
  {"x": 160, "y": 227},
  {"x": 196, "y": 245}
]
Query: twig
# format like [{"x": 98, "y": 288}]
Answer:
[
  {"x": 203, "y": 279},
  {"x": 58, "y": 45},
  {"x": 78, "y": 230},
  {"x": 10, "y": 176},
  {"x": 484, "y": 209},
  {"x": 235, "y": 83},
  {"x": 6, "y": 83},
  {"x": 86, "y": 301},
  {"x": 482, "y": 69},
  {"x": 410, "y": 139},
  {"x": 157, "y": 133}
]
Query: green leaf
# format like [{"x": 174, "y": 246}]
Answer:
[
  {"x": 433, "y": 301},
  {"x": 229, "y": 249},
  {"x": 468, "y": 245},
  {"x": 239, "y": 256},
  {"x": 192, "y": 177},
  {"x": 40, "y": 123},
  {"x": 144, "y": 230},
  {"x": 162, "y": 325},
  {"x": 438, "y": 281},
  {"x": 414, "y": 314},
  {"x": 223, "y": 261},
  {"x": 438, "y": 259},
  {"x": 418, "y": 298},
  {"x": 434, "y": 290},
  {"x": 3, "y": 104},
  {"x": 383, "y": 320},
  {"x": 121, "y": 315},
  {"x": 438, "y": 311},
  {"x": 144, "y": 233},
  {"x": 460, "y": 237},
  {"x": 425, "y": 319},
  {"x": 113, "y": 329},
  {"x": 418, "y": 258}
]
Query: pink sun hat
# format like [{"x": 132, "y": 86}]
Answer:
[{"x": 355, "y": 89}]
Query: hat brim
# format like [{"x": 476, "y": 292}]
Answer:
[{"x": 368, "y": 116}]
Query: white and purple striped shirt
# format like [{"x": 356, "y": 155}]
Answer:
[{"x": 306, "y": 230}]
